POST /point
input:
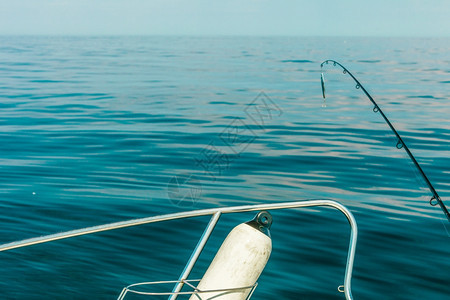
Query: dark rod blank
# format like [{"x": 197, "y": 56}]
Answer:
[{"x": 435, "y": 200}]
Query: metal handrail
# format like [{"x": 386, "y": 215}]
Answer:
[
  {"x": 132, "y": 289},
  {"x": 215, "y": 212}
]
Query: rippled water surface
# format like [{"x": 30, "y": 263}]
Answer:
[{"x": 100, "y": 129}]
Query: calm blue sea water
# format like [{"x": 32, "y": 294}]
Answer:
[{"x": 95, "y": 129}]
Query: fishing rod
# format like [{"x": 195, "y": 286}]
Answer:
[{"x": 435, "y": 199}]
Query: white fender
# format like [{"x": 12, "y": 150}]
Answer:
[{"x": 239, "y": 261}]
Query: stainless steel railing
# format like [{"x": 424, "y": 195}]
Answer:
[{"x": 215, "y": 215}]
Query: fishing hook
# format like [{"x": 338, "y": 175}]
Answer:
[{"x": 435, "y": 200}]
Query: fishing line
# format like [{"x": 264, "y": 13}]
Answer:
[{"x": 435, "y": 199}]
